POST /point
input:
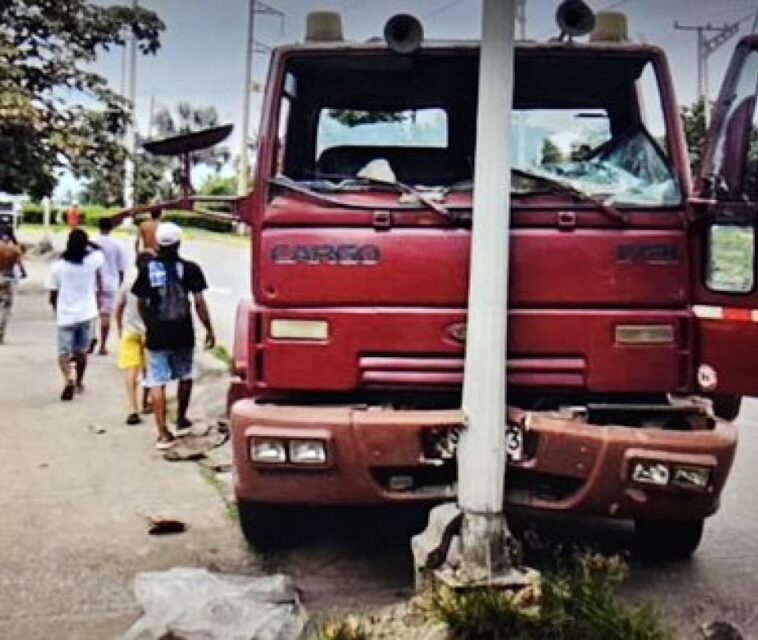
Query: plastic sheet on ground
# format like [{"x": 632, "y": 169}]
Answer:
[{"x": 194, "y": 604}]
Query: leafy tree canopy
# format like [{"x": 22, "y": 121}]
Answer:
[
  {"x": 693, "y": 121},
  {"x": 54, "y": 111}
]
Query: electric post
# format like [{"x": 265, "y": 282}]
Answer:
[
  {"x": 482, "y": 452},
  {"x": 706, "y": 46},
  {"x": 131, "y": 131},
  {"x": 254, "y": 8}
]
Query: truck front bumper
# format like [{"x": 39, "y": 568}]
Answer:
[{"x": 376, "y": 455}]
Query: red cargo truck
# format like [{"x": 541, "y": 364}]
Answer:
[{"x": 633, "y": 305}]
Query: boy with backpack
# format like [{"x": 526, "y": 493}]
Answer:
[{"x": 163, "y": 288}]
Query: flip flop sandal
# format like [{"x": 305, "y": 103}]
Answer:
[
  {"x": 68, "y": 392},
  {"x": 162, "y": 445}
]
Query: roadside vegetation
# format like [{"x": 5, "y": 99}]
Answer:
[{"x": 577, "y": 602}]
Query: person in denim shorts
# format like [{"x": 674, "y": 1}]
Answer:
[
  {"x": 73, "y": 284},
  {"x": 163, "y": 288}
]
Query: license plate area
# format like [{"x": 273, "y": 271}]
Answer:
[{"x": 440, "y": 445}]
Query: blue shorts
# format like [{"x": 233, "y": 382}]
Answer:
[
  {"x": 74, "y": 339},
  {"x": 165, "y": 366}
]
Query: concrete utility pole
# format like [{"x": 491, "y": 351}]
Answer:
[
  {"x": 706, "y": 46},
  {"x": 482, "y": 452},
  {"x": 251, "y": 46},
  {"x": 521, "y": 18},
  {"x": 131, "y": 131},
  {"x": 244, "y": 166}
]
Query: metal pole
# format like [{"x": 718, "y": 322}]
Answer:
[
  {"x": 244, "y": 166},
  {"x": 482, "y": 453},
  {"x": 131, "y": 132}
]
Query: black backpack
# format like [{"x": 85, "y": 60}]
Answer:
[{"x": 170, "y": 302}]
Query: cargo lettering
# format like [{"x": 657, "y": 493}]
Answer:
[
  {"x": 647, "y": 253},
  {"x": 343, "y": 255}
]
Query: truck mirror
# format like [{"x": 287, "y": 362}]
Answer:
[{"x": 731, "y": 258}]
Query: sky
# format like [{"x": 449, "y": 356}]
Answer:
[{"x": 201, "y": 59}]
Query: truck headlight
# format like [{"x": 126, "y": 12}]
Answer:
[
  {"x": 268, "y": 451},
  {"x": 649, "y": 472},
  {"x": 692, "y": 477},
  {"x": 287, "y": 329},
  {"x": 307, "y": 452}
]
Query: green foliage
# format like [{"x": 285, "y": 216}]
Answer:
[
  {"x": 693, "y": 121},
  {"x": 578, "y": 604},
  {"x": 218, "y": 186},
  {"x": 106, "y": 185},
  {"x": 354, "y": 117},
  {"x": 551, "y": 154},
  {"x": 46, "y": 55}
]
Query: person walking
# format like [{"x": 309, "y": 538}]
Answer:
[
  {"x": 146, "y": 240},
  {"x": 164, "y": 288},
  {"x": 111, "y": 278},
  {"x": 73, "y": 283},
  {"x": 11, "y": 268},
  {"x": 74, "y": 216},
  {"x": 131, "y": 350}
]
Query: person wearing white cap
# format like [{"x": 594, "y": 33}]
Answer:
[{"x": 164, "y": 287}]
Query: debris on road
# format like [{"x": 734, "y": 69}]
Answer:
[
  {"x": 195, "y": 447},
  {"x": 160, "y": 526},
  {"x": 721, "y": 630},
  {"x": 97, "y": 429},
  {"x": 194, "y": 603}
]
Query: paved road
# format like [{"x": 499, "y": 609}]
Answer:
[
  {"x": 79, "y": 534},
  {"x": 73, "y": 531}
]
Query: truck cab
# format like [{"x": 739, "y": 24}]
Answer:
[{"x": 630, "y": 294}]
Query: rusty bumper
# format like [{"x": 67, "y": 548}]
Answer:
[{"x": 376, "y": 456}]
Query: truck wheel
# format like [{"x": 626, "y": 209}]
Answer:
[
  {"x": 266, "y": 527},
  {"x": 669, "y": 539},
  {"x": 726, "y": 407}
]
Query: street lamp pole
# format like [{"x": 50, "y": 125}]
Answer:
[
  {"x": 244, "y": 165},
  {"x": 482, "y": 452}
]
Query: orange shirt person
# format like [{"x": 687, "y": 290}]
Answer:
[
  {"x": 73, "y": 216},
  {"x": 146, "y": 240}
]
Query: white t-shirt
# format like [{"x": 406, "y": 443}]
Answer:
[
  {"x": 114, "y": 263},
  {"x": 76, "y": 285}
]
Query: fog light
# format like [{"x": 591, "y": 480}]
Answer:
[
  {"x": 299, "y": 329},
  {"x": 655, "y": 473},
  {"x": 268, "y": 451},
  {"x": 307, "y": 452},
  {"x": 691, "y": 477}
]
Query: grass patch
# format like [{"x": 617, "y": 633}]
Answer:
[{"x": 578, "y": 603}]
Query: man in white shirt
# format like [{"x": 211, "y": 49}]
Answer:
[
  {"x": 73, "y": 284},
  {"x": 111, "y": 277}
]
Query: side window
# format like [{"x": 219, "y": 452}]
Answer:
[{"x": 731, "y": 258}]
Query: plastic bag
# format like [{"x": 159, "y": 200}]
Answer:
[{"x": 194, "y": 604}]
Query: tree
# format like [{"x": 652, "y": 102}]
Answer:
[
  {"x": 353, "y": 117},
  {"x": 186, "y": 119},
  {"x": 151, "y": 182},
  {"x": 45, "y": 50},
  {"x": 551, "y": 154},
  {"x": 693, "y": 121}
]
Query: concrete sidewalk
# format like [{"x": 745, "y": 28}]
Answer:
[{"x": 73, "y": 531}]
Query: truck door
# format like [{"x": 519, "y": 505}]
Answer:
[{"x": 724, "y": 216}]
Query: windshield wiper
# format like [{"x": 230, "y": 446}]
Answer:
[
  {"x": 398, "y": 187},
  {"x": 602, "y": 206}
]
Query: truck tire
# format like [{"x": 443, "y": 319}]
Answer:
[
  {"x": 726, "y": 407},
  {"x": 669, "y": 539},
  {"x": 266, "y": 527}
]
